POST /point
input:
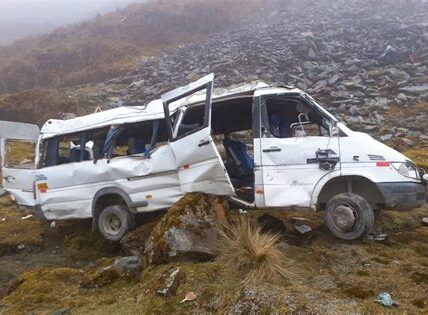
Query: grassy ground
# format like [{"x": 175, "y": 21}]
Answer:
[{"x": 325, "y": 275}]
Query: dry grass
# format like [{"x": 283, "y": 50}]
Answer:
[{"x": 245, "y": 249}]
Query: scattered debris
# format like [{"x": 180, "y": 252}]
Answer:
[
  {"x": 303, "y": 228},
  {"x": 377, "y": 237},
  {"x": 386, "y": 300},
  {"x": 190, "y": 296},
  {"x": 21, "y": 246},
  {"x": 2, "y": 219},
  {"x": 241, "y": 212},
  {"x": 53, "y": 224},
  {"x": 27, "y": 217},
  {"x": 425, "y": 221}
]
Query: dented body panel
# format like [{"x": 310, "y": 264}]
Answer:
[{"x": 288, "y": 172}]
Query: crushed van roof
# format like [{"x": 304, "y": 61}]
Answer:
[{"x": 133, "y": 114}]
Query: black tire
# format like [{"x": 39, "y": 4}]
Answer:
[
  {"x": 349, "y": 216},
  {"x": 114, "y": 222}
]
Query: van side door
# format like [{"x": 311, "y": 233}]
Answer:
[
  {"x": 296, "y": 150},
  {"x": 17, "y": 152},
  {"x": 198, "y": 161}
]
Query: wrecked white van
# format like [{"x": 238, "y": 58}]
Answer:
[{"x": 269, "y": 147}]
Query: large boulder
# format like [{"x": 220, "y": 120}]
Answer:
[
  {"x": 188, "y": 231},
  {"x": 134, "y": 243}
]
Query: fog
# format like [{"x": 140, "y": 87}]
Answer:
[{"x": 20, "y": 18}]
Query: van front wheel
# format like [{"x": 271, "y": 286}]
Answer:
[
  {"x": 114, "y": 222},
  {"x": 349, "y": 216}
]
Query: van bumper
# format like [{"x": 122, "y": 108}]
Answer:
[{"x": 403, "y": 196}]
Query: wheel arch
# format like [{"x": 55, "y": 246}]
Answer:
[
  {"x": 105, "y": 196},
  {"x": 356, "y": 184}
]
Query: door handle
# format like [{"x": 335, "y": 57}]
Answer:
[
  {"x": 204, "y": 142},
  {"x": 272, "y": 149},
  {"x": 9, "y": 178}
]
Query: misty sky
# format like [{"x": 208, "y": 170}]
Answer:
[
  {"x": 56, "y": 11},
  {"x": 20, "y": 18}
]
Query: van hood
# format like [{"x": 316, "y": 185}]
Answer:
[{"x": 361, "y": 146}]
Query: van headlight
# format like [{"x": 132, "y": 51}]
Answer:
[{"x": 407, "y": 170}]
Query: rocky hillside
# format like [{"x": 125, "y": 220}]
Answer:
[
  {"x": 364, "y": 60},
  {"x": 113, "y": 44}
]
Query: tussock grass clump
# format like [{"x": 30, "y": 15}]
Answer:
[{"x": 246, "y": 249}]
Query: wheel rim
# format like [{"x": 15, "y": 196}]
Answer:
[
  {"x": 345, "y": 217},
  {"x": 112, "y": 224}
]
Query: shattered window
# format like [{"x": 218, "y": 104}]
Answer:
[{"x": 20, "y": 154}]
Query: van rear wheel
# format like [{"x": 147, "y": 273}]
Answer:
[
  {"x": 114, "y": 222},
  {"x": 349, "y": 216}
]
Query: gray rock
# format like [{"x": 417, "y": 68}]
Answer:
[
  {"x": 173, "y": 280},
  {"x": 408, "y": 142},
  {"x": 98, "y": 275},
  {"x": 130, "y": 266},
  {"x": 193, "y": 236},
  {"x": 386, "y": 137},
  {"x": 415, "y": 89},
  {"x": 67, "y": 116},
  {"x": 137, "y": 84},
  {"x": 186, "y": 243},
  {"x": 333, "y": 79}
]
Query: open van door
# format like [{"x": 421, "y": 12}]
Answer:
[
  {"x": 199, "y": 164},
  {"x": 17, "y": 153}
]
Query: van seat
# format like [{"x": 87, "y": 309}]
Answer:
[{"x": 242, "y": 163}]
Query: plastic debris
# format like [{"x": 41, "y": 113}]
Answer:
[
  {"x": 242, "y": 211},
  {"x": 27, "y": 217},
  {"x": 377, "y": 237},
  {"x": 425, "y": 221},
  {"x": 190, "y": 296},
  {"x": 53, "y": 224},
  {"x": 303, "y": 228},
  {"x": 2, "y": 219},
  {"x": 386, "y": 300}
]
